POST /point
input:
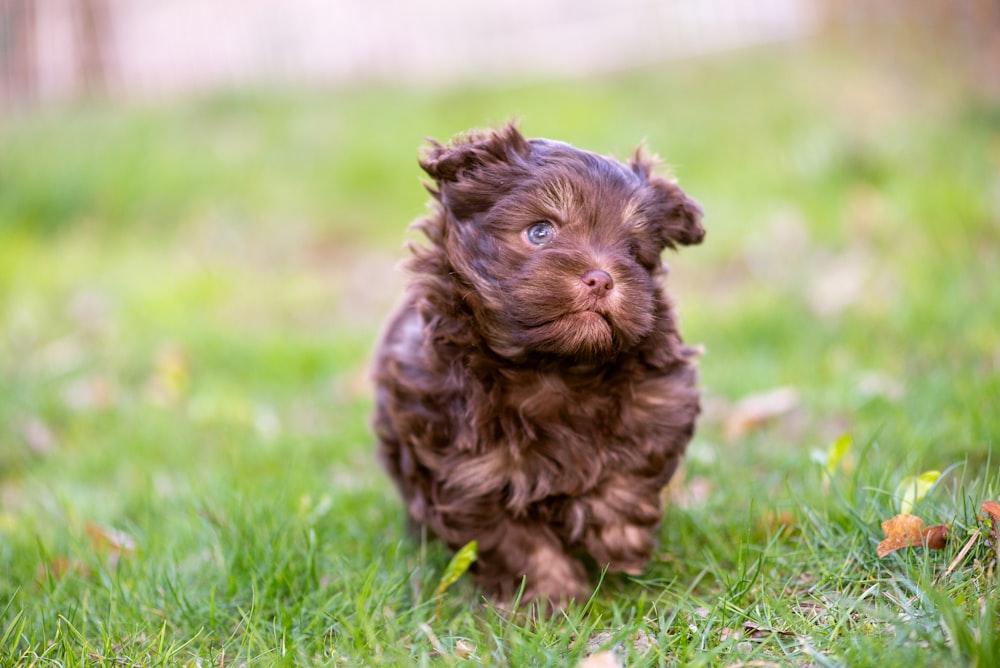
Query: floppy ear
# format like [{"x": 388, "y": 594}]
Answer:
[
  {"x": 677, "y": 216},
  {"x": 476, "y": 169},
  {"x": 468, "y": 152}
]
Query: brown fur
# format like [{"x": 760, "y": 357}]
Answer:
[{"x": 536, "y": 398}]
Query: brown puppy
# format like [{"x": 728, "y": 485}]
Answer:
[{"x": 533, "y": 392}]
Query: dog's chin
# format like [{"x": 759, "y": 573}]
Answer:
[{"x": 582, "y": 335}]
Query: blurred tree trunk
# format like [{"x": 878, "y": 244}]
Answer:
[
  {"x": 18, "y": 52},
  {"x": 92, "y": 23}
]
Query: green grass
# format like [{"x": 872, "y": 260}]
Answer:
[{"x": 189, "y": 294}]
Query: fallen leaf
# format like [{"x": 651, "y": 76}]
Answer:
[
  {"x": 756, "y": 410},
  {"x": 908, "y": 531},
  {"x": 464, "y": 649},
  {"x": 992, "y": 508},
  {"x": 457, "y": 567},
  {"x": 116, "y": 543},
  {"x": 777, "y": 523},
  {"x": 59, "y": 567},
  {"x": 912, "y": 489},
  {"x": 936, "y": 537},
  {"x": 838, "y": 455},
  {"x": 606, "y": 659}
]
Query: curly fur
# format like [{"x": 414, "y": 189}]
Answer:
[{"x": 536, "y": 398}]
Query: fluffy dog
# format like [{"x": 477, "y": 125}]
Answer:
[{"x": 533, "y": 391}]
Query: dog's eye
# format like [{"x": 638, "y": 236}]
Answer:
[{"x": 541, "y": 233}]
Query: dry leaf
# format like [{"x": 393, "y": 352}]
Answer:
[
  {"x": 604, "y": 659},
  {"x": 936, "y": 537},
  {"x": 59, "y": 567},
  {"x": 992, "y": 508},
  {"x": 781, "y": 523},
  {"x": 464, "y": 649},
  {"x": 116, "y": 543},
  {"x": 754, "y": 411},
  {"x": 908, "y": 531}
]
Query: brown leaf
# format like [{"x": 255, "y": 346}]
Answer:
[
  {"x": 464, "y": 649},
  {"x": 752, "y": 412},
  {"x": 116, "y": 543},
  {"x": 936, "y": 537},
  {"x": 908, "y": 531},
  {"x": 781, "y": 523},
  {"x": 59, "y": 567}
]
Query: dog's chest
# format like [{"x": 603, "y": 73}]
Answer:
[
  {"x": 556, "y": 437},
  {"x": 549, "y": 403}
]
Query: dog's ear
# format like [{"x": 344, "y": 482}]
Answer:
[
  {"x": 474, "y": 170},
  {"x": 474, "y": 150},
  {"x": 677, "y": 216}
]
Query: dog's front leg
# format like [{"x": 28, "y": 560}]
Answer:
[
  {"x": 519, "y": 550},
  {"x": 622, "y": 517}
]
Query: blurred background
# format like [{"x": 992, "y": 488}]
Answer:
[
  {"x": 55, "y": 50},
  {"x": 203, "y": 208},
  {"x": 203, "y": 204}
]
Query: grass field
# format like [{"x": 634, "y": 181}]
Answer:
[{"x": 189, "y": 294}]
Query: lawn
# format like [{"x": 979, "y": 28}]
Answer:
[{"x": 189, "y": 296}]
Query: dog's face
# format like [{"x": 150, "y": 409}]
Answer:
[{"x": 559, "y": 248}]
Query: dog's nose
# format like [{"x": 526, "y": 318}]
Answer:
[{"x": 599, "y": 282}]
